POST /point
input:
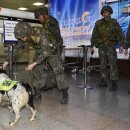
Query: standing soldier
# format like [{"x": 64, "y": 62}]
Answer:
[
  {"x": 127, "y": 40},
  {"x": 106, "y": 34},
  {"x": 128, "y": 44},
  {"x": 51, "y": 27}
]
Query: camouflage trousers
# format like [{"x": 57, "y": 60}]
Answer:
[
  {"x": 51, "y": 79},
  {"x": 39, "y": 73},
  {"x": 108, "y": 57}
]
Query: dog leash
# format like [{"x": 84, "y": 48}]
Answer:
[{"x": 31, "y": 82}]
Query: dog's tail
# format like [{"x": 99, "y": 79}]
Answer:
[
  {"x": 30, "y": 92},
  {"x": 28, "y": 88},
  {"x": 3, "y": 71}
]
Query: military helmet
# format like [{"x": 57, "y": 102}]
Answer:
[
  {"x": 22, "y": 29},
  {"x": 40, "y": 11},
  {"x": 107, "y": 8}
]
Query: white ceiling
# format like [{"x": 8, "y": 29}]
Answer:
[{"x": 15, "y": 4}]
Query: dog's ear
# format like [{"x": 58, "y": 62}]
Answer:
[
  {"x": 3, "y": 71},
  {"x": 2, "y": 92}
]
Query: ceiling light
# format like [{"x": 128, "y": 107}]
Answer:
[
  {"x": 22, "y": 8},
  {"x": 46, "y": 5},
  {"x": 38, "y": 3}
]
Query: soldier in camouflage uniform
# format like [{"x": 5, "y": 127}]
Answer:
[
  {"x": 127, "y": 41},
  {"x": 45, "y": 50},
  {"x": 39, "y": 70},
  {"x": 128, "y": 45},
  {"x": 51, "y": 27},
  {"x": 106, "y": 34}
]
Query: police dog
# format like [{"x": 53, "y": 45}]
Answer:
[{"x": 19, "y": 95}]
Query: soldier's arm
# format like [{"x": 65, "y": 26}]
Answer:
[
  {"x": 121, "y": 35},
  {"x": 128, "y": 38},
  {"x": 48, "y": 49},
  {"x": 94, "y": 36},
  {"x": 52, "y": 26}
]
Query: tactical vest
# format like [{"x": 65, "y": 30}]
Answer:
[{"x": 7, "y": 85}]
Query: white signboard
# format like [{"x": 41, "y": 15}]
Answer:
[
  {"x": 16, "y": 13},
  {"x": 9, "y": 31}
]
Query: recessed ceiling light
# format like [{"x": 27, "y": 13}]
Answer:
[
  {"x": 22, "y": 8},
  {"x": 46, "y": 5},
  {"x": 38, "y": 3}
]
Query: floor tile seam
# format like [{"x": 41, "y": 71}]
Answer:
[
  {"x": 51, "y": 115},
  {"x": 62, "y": 122},
  {"x": 99, "y": 113},
  {"x": 3, "y": 127},
  {"x": 108, "y": 125}
]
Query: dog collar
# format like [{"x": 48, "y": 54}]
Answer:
[{"x": 7, "y": 85}]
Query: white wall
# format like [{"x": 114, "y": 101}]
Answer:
[
  {"x": 16, "y": 13},
  {"x": 75, "y": 52}
]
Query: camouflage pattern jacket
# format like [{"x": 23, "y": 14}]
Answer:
[
  {"x": 51, "y": 27},
  {"x": 43, "y": 47},
  {"x": 107, "y": 31},
  {"x": 38, "y": 40},
  {"x": 128, "y": 38}
]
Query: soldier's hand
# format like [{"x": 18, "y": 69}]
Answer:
[
  {"x": 126, "y": 52},
  {"x": 31, "y": 66},
  {"x": 5, "y": 65},
  {"x": 121, "y": 49},
  {"x": 91, "y": 51}
]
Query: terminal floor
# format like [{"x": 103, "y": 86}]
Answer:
[{"x": 94, "y": 109}]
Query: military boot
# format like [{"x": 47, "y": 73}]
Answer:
[
  {"x": 64, "y": 99},
  {"x": 102, "y": 84},
  {"x": 37, "y": 94},
  {"x": 114, "y": 86}
]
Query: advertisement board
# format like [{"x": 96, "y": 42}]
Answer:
[{"x": 76, "y": 19}]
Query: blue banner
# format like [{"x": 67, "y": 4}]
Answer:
[{"x": 76, "y": 19}]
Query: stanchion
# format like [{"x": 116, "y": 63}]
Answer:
[
  {"x": 10, "y": 53},
  {"x": 85, "y": 51},
  {"x": 63, "y": 55},
  {"x": 1, "y": 64}
]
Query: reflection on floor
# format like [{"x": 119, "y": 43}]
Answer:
[{"x": 97, "y": 109}]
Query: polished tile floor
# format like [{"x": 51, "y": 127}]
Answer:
[{"x": 94, "y": 109}]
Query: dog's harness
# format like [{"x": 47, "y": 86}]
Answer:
[{"x": 7, "y": 85}]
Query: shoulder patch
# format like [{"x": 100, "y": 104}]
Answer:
[
  {"x": 99, "y": 22},
  {"x": 36, "y": 34},
  {"x": 114, "y": 20}
]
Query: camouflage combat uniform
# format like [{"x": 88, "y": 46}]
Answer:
[
  {"x": 106, "y": 34},
  {"x": 51, "y": 27},
  {"x": 128, "y": 44},
  {"x": 128, "y": 40},
  {"x": 46, "y": 51}
]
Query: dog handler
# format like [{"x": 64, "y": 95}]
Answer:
[{"x": 44, "y": 50}]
